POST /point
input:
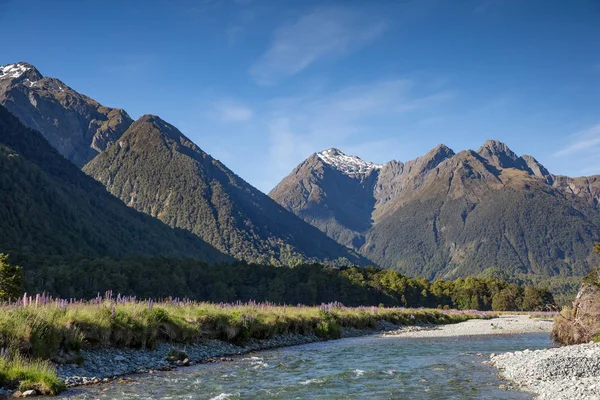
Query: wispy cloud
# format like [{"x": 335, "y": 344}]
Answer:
[
  {"x": 585, "y": 142},
  {"x": 233, "y": 112},
  {"x": 323, "y": 33}
]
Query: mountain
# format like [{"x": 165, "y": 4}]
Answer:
[
  {"x": 155, "y": 169},
  {"x": 449, "y": 214},
  {"x": 48, "y": 206},
  {"x": 77, "y": 126}
]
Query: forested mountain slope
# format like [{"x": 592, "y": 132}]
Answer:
[
  {"x": 48, "y": 206},
  {"x": 155, "y": 169},
  {"x": 448, "y": 215}
]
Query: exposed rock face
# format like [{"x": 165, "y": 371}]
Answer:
[
  {"x": 581, "y": 324},
  {"x": 449, "y": 215},
  {"x": 77, "y": 126},
  {"x": 155, "y": 169}
]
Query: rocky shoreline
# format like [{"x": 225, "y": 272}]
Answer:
[
  {"x": 107, "y": 364},
  {"x": 503, "y": 325},
  {"x": 559, "y": 373},
  {"x": 564, "y": 373}
]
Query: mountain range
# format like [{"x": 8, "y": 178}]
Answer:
[
  {"x": 155, "y": 169},
  {"x": 441, "y": 215},
  {"x": 447, "y": 214},
  {"x": 48, "y": 207}
]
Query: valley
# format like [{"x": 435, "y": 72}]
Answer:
[{"x": 251, "y": 199}]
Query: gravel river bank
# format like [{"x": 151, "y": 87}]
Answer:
[
  {"x": 506, "y": 324},
  {"x": 107, "y": 364},
  {"x": 571, "y": 372},
  {"x": 563, "y": 373}
]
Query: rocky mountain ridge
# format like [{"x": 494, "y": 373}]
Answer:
[
  {"x": 154, "y": 168},
  {"x": 448, "y": 214},
  {"x": 76, "y": 125}
]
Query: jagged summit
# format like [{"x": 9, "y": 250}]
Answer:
[
  {"x": 13, "y": 70},
  {"x": 498, "y": 154},
  {"x": 20, "y": 71},
  {"x": 433, "y": 157},
  {"x": 447, "y": 214},
  {"x": 349, "y": 165},
  {"x": 536, "y": 167},
  {"x": 76, "y": 125}
]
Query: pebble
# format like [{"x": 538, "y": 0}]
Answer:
[{"x": 564, "y": 373}]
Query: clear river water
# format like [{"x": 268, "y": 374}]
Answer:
[{"x": 368, "y": 367}]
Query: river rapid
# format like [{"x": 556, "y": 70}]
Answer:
[{"x": 371, "y": 367}]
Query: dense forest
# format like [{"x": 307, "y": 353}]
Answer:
[
  {"x": 155, "y": 169},
  {"x": 309, "y": 284},
  {"x": 48, "y": 206}
]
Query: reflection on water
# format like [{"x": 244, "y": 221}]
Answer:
[{"x": 359, "y": 368}]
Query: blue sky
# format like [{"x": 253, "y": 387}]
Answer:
[{"x": 262, "y": 84}]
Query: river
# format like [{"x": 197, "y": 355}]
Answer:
[{"x": 369, "y": 367}]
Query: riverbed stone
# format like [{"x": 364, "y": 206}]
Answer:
[{"x": 565, "y": 373}]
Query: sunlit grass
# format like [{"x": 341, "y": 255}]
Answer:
[
  {"x": 36, "y": 329},
  {"x": 25, "y": 374}
]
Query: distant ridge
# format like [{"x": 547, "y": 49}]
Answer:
[
  {"x": 77, "y": 126},
  {"x": 449, "y": 214}
]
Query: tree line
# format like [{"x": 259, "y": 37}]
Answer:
[{"x": 308, "y": 284}]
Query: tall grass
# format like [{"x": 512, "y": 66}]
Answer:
[
  {"x": 38, "y": 328},
  {"x": 19, "y": 372}
]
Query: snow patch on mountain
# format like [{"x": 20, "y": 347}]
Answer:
[
  {"x": 349, "y": 165},
  {"x": 13, "y": 71}
]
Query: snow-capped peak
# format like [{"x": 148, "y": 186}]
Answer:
[
  {"x": 350, "y": 165},
  {"x": 13, "y": 70}
]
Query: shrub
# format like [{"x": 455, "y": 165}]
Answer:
[{"x": 25, "y": 374}]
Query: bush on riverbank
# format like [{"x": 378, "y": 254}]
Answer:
[
  {"x": 40, "y": 328},
  {"x": 29, "y": 374},
  {"x": 581, "y": 323}
]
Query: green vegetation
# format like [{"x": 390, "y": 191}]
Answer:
[
  {"x": 36, "y": 330},
  {"x": 447, "y": 215},
  {"x": 157, "y": 170},
  {"x": 24, "y": 374},
  {"x": 48, "y": 206},
  {"x": 515, "y": 223},
  {"x": 309, "y": 284},
  {"x": 11, "y": 280},
  {"x": 581, "y": 323},
  {"x": 74, "y": 124}
]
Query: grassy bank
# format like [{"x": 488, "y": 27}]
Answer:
[{"x": 40, "y": 328}]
